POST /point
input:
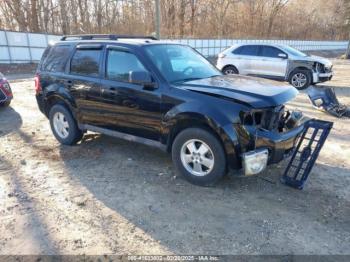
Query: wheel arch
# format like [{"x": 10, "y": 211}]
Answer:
[
  {"x": 57, "y": 94},
  {"x": 230, "y": 65},
  {"x": 298, "y": 66},
  {"x": 226, "y": 135}
]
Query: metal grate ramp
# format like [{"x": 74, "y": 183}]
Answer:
[{"x": 306, "y": 152}]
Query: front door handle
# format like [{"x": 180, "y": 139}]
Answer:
[
  {"x": 69, "y": 83},
  {"x": 112, "y": 91}
]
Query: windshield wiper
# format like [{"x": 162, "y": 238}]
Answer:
[
  {"x": 192, "y": 78},
  {"x": 186, "y": 80}
]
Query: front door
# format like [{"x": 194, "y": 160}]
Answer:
[
  {"x": 270, "y": 64},
  {"x": 127, "y": 107}
]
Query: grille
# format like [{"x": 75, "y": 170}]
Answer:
[{"x": 269, "y": 119}]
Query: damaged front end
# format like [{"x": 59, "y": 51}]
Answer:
[
  {"x": 274, "y": 130},
  {"x": 269, "y": 135}
]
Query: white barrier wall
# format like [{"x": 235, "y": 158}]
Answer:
[{"x": 19, "y": 47}]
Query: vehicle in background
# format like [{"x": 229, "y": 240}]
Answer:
[
  {"x": 168, "y": 96},
  {"x": 5, "y": 92},
  {"x": 277, "y": 62}
]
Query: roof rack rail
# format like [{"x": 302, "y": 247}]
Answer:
[{"x": 110, "y": 37}]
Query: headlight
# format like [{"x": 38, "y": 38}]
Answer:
[{"x": 255, "y": 161}]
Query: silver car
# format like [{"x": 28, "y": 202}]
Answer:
[{"x": 278, "y": 62}]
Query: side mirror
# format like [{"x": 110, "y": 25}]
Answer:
[
  {"x": 282, "y": 55},
  {"x": 141, "y": 78}
]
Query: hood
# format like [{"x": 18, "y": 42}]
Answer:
[
  {"x": 314, "y": 58},
  {"x": 255, "y": 92}
]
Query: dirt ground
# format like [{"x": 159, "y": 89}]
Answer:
[{"x": 108, "y": 196}]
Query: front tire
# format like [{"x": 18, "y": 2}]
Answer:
[
  {"x": 64, "y": 126},
  {"x": 199, "y": 156},
  {"x": 300, "y": 79}
]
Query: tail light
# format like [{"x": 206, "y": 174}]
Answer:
[
  {"x": 5, "y": 87},
  {"x": 38, "y": 88}
]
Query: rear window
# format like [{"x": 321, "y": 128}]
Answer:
[
  {"x": 251, "y": 50},
  {"x": 86, "y": 62},
  {"x": 56, "y": 58}
]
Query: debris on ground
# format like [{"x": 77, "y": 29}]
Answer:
[{"x": 325, "y": 98}]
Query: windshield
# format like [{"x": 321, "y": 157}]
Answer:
[
  {"x": 179, "y": 63},
  {"x": 293, "y": 51}
]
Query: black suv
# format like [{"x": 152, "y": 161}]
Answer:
[{"x": 169, "y": 96}]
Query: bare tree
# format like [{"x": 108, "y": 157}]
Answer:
[{"x": 289, "y": 19}]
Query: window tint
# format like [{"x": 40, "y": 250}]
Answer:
[
  {"x": 251, "y": 50},
  {"x": 120, "y": 63},
  {"x": 180, "y": 63},
  {"x": 86, "y": 62},
  {"x": 269, "y": 51},
  {"x": 56, "y": 58}
]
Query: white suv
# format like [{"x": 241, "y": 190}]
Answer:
[{"x": 278, "y": 62}]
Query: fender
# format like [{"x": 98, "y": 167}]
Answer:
[
  {"x": 175, "y": 119},
  {"x": 293, "y": 64},
  {"x": 58, "y": 91}
]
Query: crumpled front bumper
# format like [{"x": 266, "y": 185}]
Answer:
[
  {"x": 321, "y": 77},
  {"x": 280, "y": 145}
]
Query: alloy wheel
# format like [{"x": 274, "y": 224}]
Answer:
[
  {"x": 299, "y": 80},
  {"x": 197, "y": 157},
  {"x": 230, "y": 72},
  {"x": 61, "y": 125}
]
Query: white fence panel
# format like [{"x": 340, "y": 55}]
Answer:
[{"x": 19, "y": 47}]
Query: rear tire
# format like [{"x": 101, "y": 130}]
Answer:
[
  {"x": 300, "y": 79},
  {"x": 230, "y": 70},
  {"x": 199, "y": 156},
  {"x": 64, "y": 126}
]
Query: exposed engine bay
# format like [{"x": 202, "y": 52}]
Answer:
[{"x": 272, "y": 119}]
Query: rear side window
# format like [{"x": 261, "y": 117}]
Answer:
[
  {"x": 250, "y": 50},
  {"x": 86, "y": 62},
  {"x": 120, "y": 63},
  {"x": 270, "y": 51},
  {"x": 56, "y": 58}
]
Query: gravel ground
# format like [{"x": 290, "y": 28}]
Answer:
[{"x": 108, "y": 196}]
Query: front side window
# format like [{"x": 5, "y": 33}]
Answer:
[
  {"x": 180, "y": 63},
  {"x": 293, "y": 51},
  {"x": 120, "y": 63},
  {"x": 270, "y": 51},
  {"x": 86, "y": 62},
  {"x": 56, "y": 58}
]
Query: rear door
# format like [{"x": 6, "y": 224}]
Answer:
[
  {"x": 128, "y": 107},
  {"x": 84, "y": 82},
  {"x": 246, "y": 57},
  {"x": 270, "y": 64}
]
